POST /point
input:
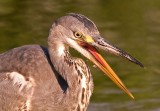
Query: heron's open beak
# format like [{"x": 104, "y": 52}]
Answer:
[{"x": 102, "y": 64}]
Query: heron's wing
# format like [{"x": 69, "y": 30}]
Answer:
[
  {"x": 15, "y": 92},
  {"x": 26, "y": 74},
  {"x": 16, "y": 84}
]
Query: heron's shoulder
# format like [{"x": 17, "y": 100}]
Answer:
[
  {"x": 26, "y": 50},
  {"x": 22, "y": 56}
]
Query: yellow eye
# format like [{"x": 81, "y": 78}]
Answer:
[{"x": 78, "y": 34}]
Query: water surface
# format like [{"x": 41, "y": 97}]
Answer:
[{"x": 133, "y": 25}]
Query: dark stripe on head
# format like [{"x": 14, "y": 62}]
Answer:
[{"x": 87, "y": 22}]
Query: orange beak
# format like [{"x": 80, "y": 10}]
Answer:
[{"x": 97, "y": 59}]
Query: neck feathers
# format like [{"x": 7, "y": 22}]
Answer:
[{"x": 75, "y": 74}]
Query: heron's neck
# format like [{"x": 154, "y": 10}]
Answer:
[
  {"x": 63, "y": 62},
  {"x": 57, "y": 52},
  {"x": 74, "y": 72}
]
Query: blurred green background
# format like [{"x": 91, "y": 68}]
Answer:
[{"x": 132, "y": 25}]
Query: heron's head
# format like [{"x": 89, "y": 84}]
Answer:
[{"x": 80, "y": 33}]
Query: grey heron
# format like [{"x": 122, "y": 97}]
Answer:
[{"x": 36, "y": 78}]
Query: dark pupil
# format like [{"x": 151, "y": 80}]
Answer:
[{"x": 78, "y": 35}]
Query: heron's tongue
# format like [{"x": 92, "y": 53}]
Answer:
[{"x": 102, "y": 64}]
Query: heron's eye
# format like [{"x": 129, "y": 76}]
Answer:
[{"x": 78, "y": 34}]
